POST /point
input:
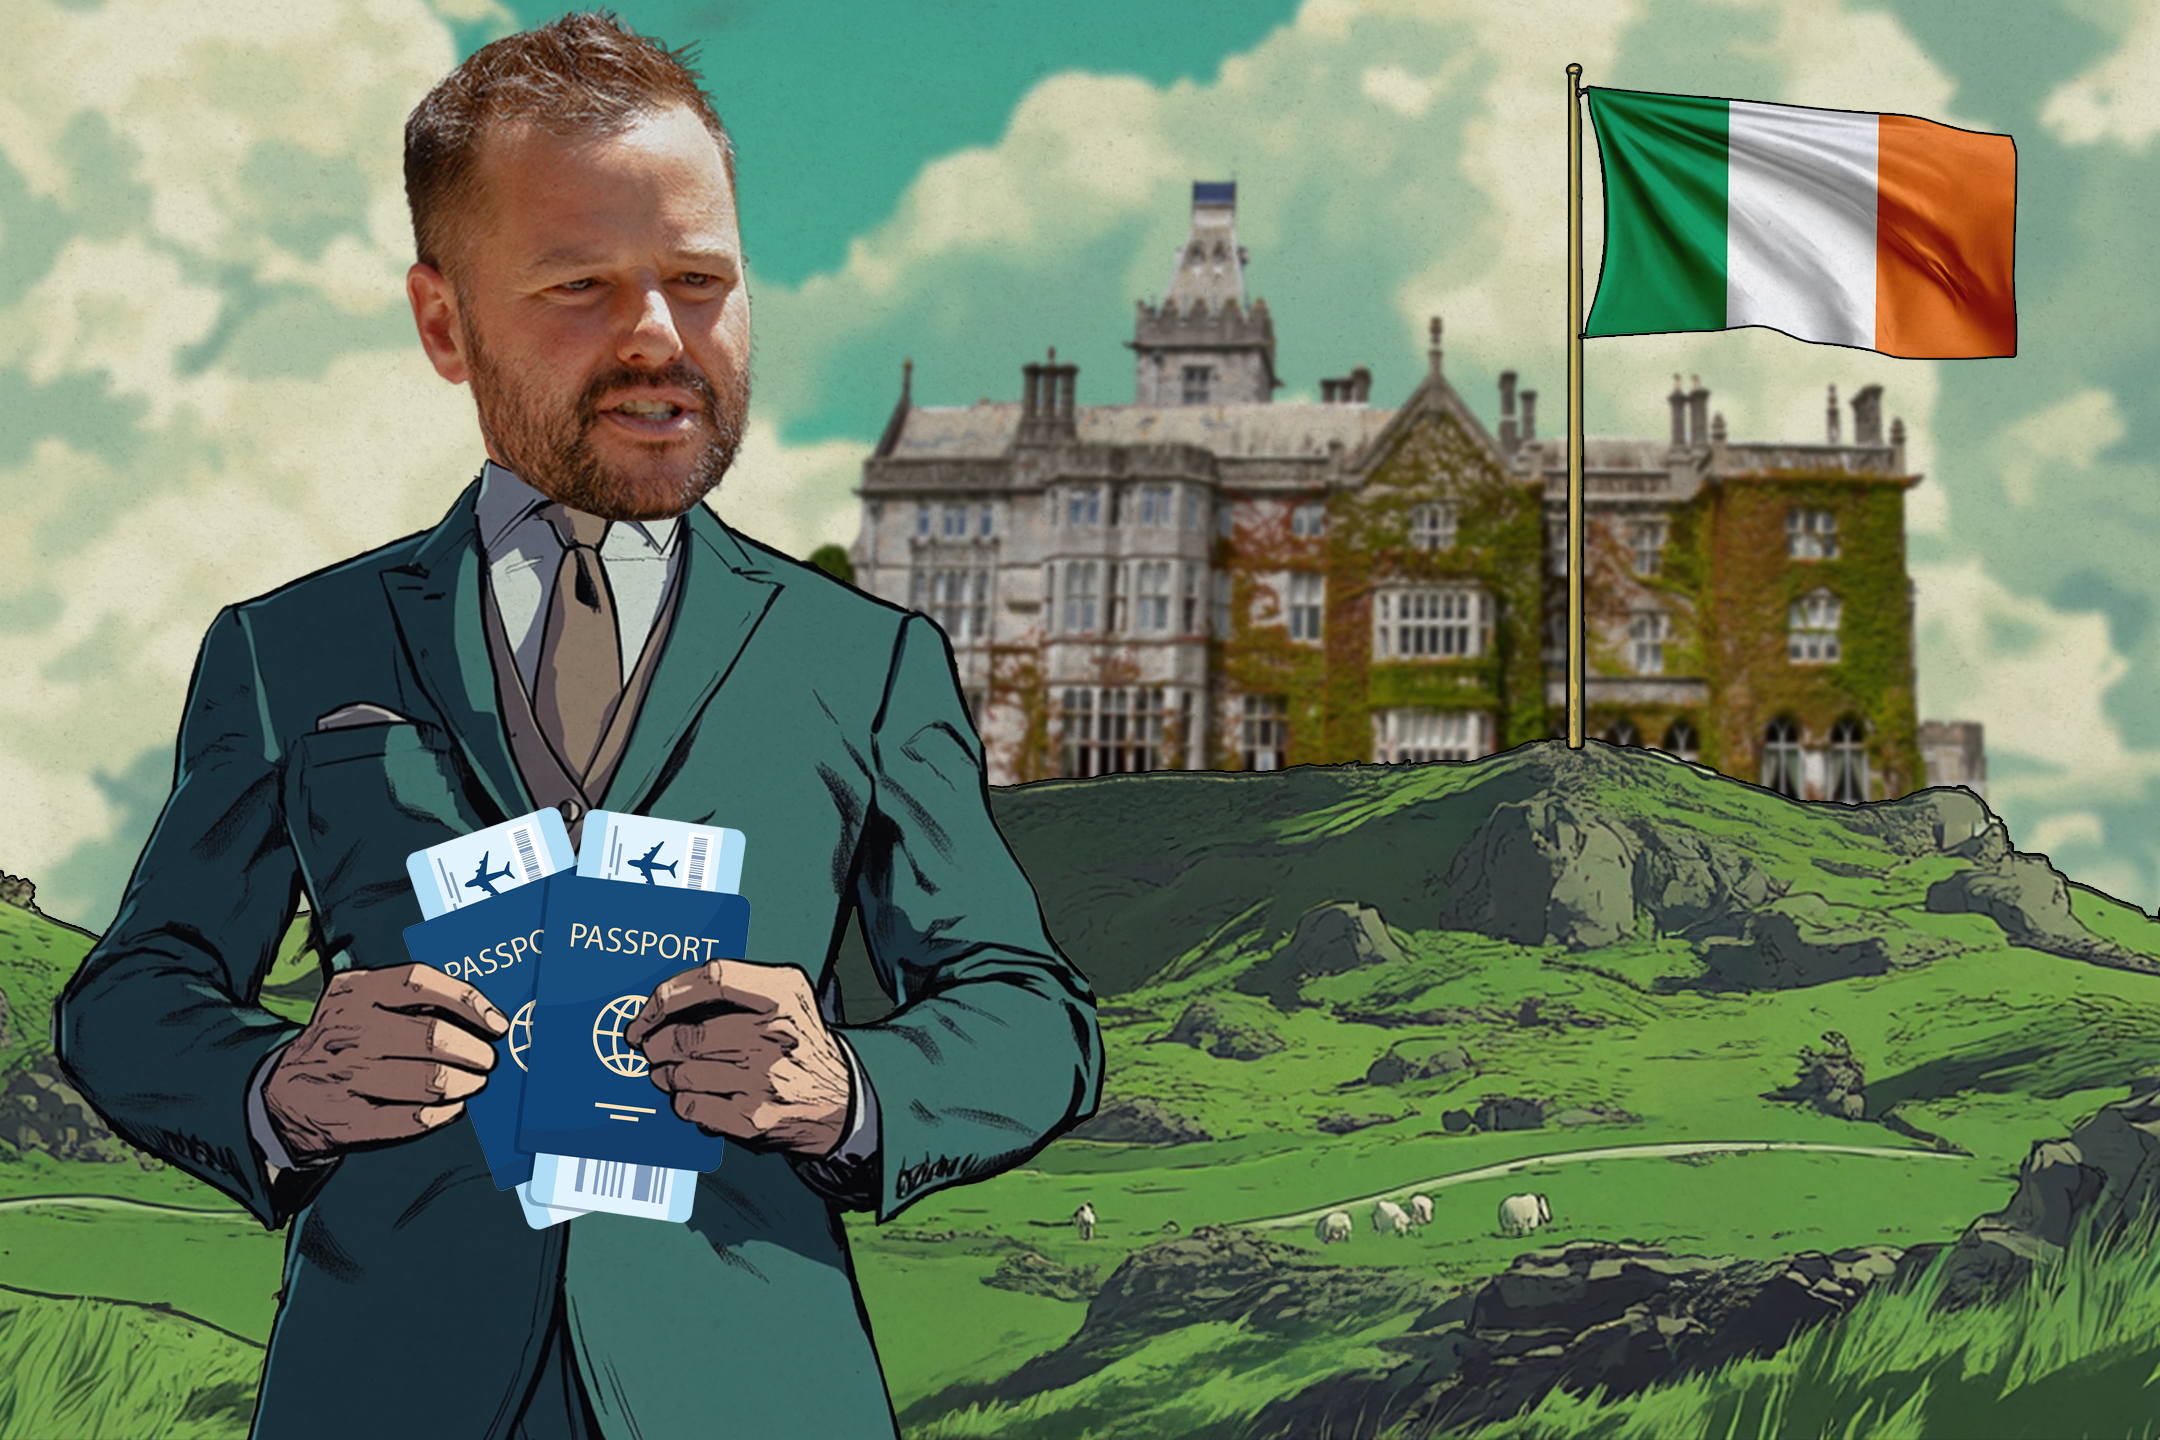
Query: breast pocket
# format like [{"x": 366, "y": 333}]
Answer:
[{"x": 358, "y": 801}]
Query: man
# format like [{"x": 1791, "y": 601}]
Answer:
[{"x": 580, "y": 632}]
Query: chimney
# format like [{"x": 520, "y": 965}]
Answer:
[
  {"x": 1717, "y": 428},
  {"x": 1698, "y": 413},
  {"x": 1832, "y": 418},
  {"x": 1360, "y": 385},
  {"x": 1432, "y": 355},
  {"x": 1327, "y": 391},
  {"x": 1033, "y": 371},
  {"x": 1069, "y": 377},
  {"x": 1897, "y": 445},
  {"x": 1867, "y": 416},
  {"x": 1507, "y": 412},
  {"x": 1678, "y": 401},
  {"x": 1529, "y": 415}
]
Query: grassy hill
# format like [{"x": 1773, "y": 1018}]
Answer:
[{"x": 1598, "y": 975}]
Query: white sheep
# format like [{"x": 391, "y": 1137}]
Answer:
[
  {"x": 1521, "y": 1214},
  {"x": 1389, "y": 1218},
  {"x": 1084, "y": 1220},
  {"x": 1333, "y": 1226},
  {"x": 1421, "y": 1209}
]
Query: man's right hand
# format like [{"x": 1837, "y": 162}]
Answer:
[{"x": 389, "y": 1055}]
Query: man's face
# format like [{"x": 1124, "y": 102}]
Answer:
[{"x": 602, "y": 317}]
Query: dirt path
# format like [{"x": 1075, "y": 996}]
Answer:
[{"x": 1616, "y": 1152}]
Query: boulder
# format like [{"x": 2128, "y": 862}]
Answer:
[
  {"x": 1509, "y": 1112},
  {"x": 1024, "y": 1270},
  {"x": 1219, "y": 1029},
  {"x": 2028, "y": 899},
  {"x": 1830, "y": 1079},
  {"x": 1455, "y": 1122},
  {"x": 1139, "y": 1122},
  {"x": 39, "y": 1110},
  {"x": 1331, "y": 939},
  {"x": 1409, "y": 1060},
  {"x": 1540, "y": 872},
  {"x": 1342, "y": 1122},
  {"x": 2104, "y": 1175},
  {"x": 1929, "y": 822},
  {"x": 1796, "y": 941}
]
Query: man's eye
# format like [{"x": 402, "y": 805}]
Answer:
[
  {"x": 701, "y": 281},
  {"x": 575, "y": 287}
]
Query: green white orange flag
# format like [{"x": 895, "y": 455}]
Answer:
[{"x": 1883, "y": 232}]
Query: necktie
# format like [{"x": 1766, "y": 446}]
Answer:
[{"x": 579, "y": 681}]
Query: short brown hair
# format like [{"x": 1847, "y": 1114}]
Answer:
[{"x": 584, "y": 74}]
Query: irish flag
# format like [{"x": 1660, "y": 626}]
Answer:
[{"x": 1883, "y": 232}]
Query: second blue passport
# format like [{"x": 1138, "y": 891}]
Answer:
[{"x": 609, "y": 946}]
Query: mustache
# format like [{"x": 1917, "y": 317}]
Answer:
[{"x": 679, "y": 375}]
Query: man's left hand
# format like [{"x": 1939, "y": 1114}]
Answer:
[{"x": 745, "y": 1054}]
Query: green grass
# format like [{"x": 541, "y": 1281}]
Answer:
[{"x": 101, "y": 1370}]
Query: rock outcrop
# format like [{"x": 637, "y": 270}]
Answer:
[
  {"x": 2028, "y": 898},
  {"x": 1830, "y": 1079},
  {"x": 1216, "y": 1027},
  {"x": 1332, "y": 939},
  {"x": 1139, "y": 1122},
  {"x": 1585, "y": 1314},
  {"x": 1409, "y": 1060},
  {"x": 2104, "y": 1175},
  {"x": 40, "y": 1111}
]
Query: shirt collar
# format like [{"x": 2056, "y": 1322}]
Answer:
[{"x": 505, "y": 501}]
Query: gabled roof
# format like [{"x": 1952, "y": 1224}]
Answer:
[{"x": 986, "y": 431}]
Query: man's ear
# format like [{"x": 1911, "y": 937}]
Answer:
[{"x": 435, "y": 312}]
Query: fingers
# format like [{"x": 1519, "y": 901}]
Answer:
[
  {"x": 423, "y": 989},
  {"x": 716, "y": 987}
]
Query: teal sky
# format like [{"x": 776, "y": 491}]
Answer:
[{"x": 209, "y": 383}]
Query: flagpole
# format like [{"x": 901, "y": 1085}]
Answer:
[{"x": 1574, "y": 414}]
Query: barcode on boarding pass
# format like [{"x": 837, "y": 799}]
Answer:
[{"x": 616, "y": 1180}]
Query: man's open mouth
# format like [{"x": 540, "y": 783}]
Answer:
[{"x": 648, "y": 409}]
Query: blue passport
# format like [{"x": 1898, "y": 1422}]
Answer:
[
  {"x": 589, "y": 1094},
  {"x": 495, "y": 947}
]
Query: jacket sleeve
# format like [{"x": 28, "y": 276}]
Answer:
[
  {"x": 161, "y": 1028},
  {"x": 993, "y": 1049}
]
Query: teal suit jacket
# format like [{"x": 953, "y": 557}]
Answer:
[{"x": 825, "y": 725}]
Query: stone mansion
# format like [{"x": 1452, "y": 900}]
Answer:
[{"x": 1206, "y": 578}]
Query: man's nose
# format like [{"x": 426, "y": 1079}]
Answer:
[{"x": 649, "y": 336}]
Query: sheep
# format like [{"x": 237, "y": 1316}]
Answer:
[
  {"x": 1084, "y": 1220},
  {"x": 1421, "y": 1209},
  {"x": 1521, "y": 1214},
  {"x": 1388, "y": 1218},
  {"x": 1333, "y": 1226}
]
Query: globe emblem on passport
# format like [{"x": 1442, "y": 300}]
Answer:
[
  {"x": 607, "y": 1036},
  {"x": 520, "y": 1036}
]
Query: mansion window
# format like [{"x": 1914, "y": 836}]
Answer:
[
  {"x": 1155, "y": 505},
  {"x": 1848, "y": 763},
  {"x": 1811, "y": 534},
  {"x": 1191, "y": 617},
  {"x": 1681, "y": 741},
  {"x": 1432, "y": 525},
  {"x": 1402, "y": 736},
  {"x": 1151, "y": 608},
  {"x": 1083, "y": 506},
  {"x": 1556, "y": 551},
  {"x": 1309, "y": 521},
  {"x": 985, "y": 531},
  {"x": 1219, "y": 610},
  {"x": 1812, "y": 629},
  {"x": 1081, "y": 579},
  {"x": 1264, "y": 731},
  {"x": 1781, "y": 758},
  {"x": 1648, "y": 631},
  {"x": 1306, "y": 595},
  {"x": 1112, "y": 730},
  {"x": 1646, "y": 540},
  {"x": 1447, "y": 622},
  {"x": 1622, "y": 732},
  {"x": 957, "y": 599},
  {"x": 1197, "y": 378},
  {"x": 1192, "y": 508},
  {"x": 954, "y": 524},
  {"x": 922, "y": 520}
]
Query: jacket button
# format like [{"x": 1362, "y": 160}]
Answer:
[{"x": 572, "y": 811}]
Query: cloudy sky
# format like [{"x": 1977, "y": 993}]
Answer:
[{"x": 209, "y": 382}]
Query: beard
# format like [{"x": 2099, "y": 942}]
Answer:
[{"x": 554, "y": 453}]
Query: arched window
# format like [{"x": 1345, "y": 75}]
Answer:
[
  {"x": 1781, "y": 758},
  {"x": 1848, "y": 763},
  {"x": 1620, "y": 732},
  {"x": 1681, "y": 741}
]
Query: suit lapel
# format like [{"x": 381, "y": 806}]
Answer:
[
  {"x": 436, "y": 600},
  {"x": 726, "y": 593}
]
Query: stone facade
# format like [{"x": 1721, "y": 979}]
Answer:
[{"x": 1209, "y": 579}]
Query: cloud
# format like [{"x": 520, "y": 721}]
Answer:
[
  {"x": 2068, "y": 435},
  {"x": 2114, "y": 99}
]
